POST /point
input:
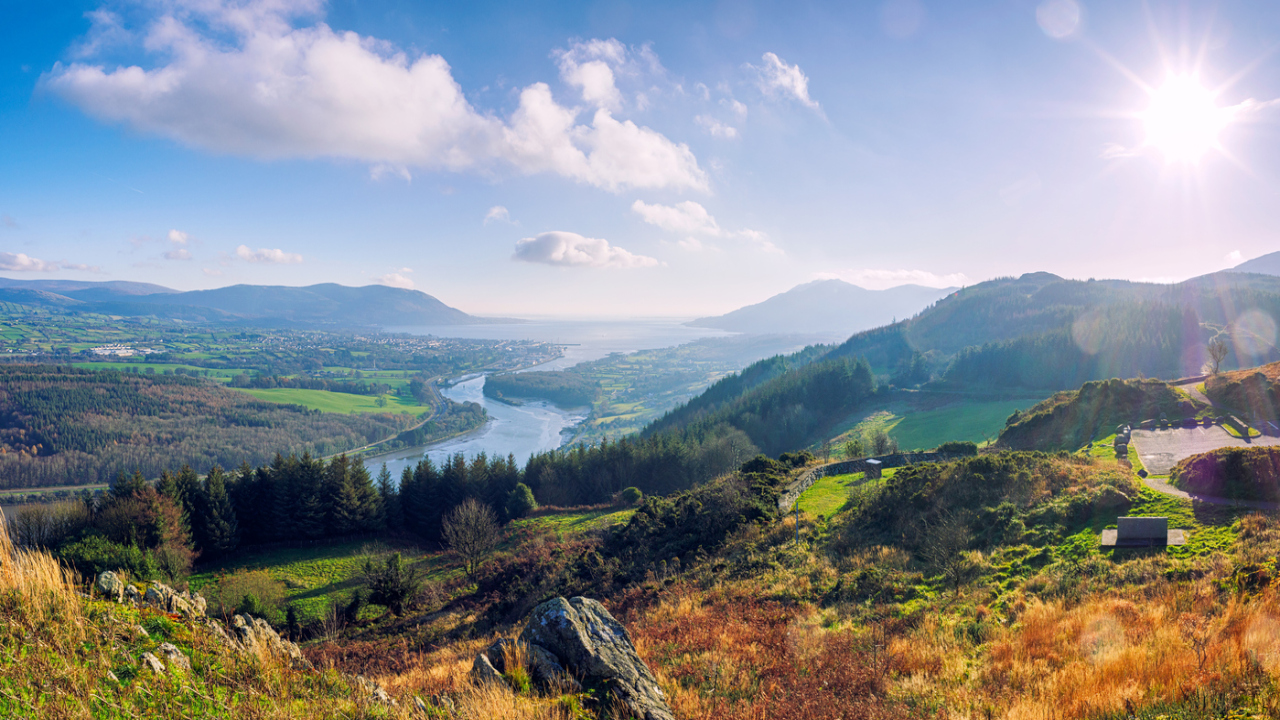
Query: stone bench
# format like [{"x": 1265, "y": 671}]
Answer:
[{"x": 1142, "y": 532}]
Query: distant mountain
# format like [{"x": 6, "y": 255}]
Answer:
[
  {"x": 1268, "y": 264},
  {"x": 29, "y": 296},
  {"x": 324, "y": 304},
  {"x": 88, "y": 291},
  {"x": 827, "y": 307}
]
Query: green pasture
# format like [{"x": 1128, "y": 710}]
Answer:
[
  {"x": 335, "y": 402},
  {"x": 827, "y": 496},
  {"x": 315, "y": 577},
  {"x": 978, "y": 421}
]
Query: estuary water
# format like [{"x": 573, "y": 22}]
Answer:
[{"x": 534, "y": 427}]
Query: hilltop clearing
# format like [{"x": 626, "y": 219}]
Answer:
[{"x": 1072, "y": 418}]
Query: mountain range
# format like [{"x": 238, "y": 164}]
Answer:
[
  {"x": 826, "y": 307},
  {"x": 323, "y": 304}
]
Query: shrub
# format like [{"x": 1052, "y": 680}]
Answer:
[
  {"x": 957, "y": 447},
  {"x": 251, "y": 591},
  {"x": 392, "y": 583},
  {"x": 521, "y": 502},
  {"x": 94, "y": 554},
  {"x": 631, "y": 496}
]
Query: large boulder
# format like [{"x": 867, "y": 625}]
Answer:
[
  {"x": 587, "y": 640},
  {"x": 111, "y": 585}
]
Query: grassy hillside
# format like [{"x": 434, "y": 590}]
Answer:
[{"x": 1070, "y": 419}]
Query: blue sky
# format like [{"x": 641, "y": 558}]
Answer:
[{"x": 615, "y": 158}]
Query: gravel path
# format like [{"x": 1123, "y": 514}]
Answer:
[{"x": 1160, "y": 450}]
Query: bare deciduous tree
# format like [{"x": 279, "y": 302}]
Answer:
[
  {"x": 1218, "y": 350},
  {"x": 472, "y": 531},
  {"x": 946, "y": 549}
]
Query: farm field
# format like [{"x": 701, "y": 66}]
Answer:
[
  {"x": 924, "y": 428},
  {"x": 336, "y": 402}
]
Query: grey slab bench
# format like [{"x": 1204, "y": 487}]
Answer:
[{"x": 1142, "y": 532}]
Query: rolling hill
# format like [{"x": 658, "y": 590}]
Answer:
[{"x": 826, "y": 307}]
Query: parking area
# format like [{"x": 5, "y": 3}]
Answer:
[{"x": 1160, "y": 450}]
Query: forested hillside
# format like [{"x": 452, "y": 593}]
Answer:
[
  {"x": 1042, "y": 331},
  {"x": 60, "y": 425}
]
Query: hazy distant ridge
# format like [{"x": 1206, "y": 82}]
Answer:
[
  {"x": 830, "y": 307},
  {"x": 326, "y": 303},
  {"x": 1268, "y": 264}
]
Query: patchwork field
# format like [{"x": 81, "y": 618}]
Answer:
[{"x": 335, "y": 402}]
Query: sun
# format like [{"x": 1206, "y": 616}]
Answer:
[{"x": 1183, "y": 119}]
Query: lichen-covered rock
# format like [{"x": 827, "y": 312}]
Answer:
[
  {"x": 483, "y": 671},
  {"x": 584, "y": 637},
  {"x": 257, "y": 635},
  {"x": 375, "y": 691},
  {"x": 158, "y": 595},
  {"x": 141, "y": 631},
  {"x": 548, "y": 673},
  {"x": 174, "y": 657},
  {"x": 132, "y": 596},
  {"x": 110, "y": 585},
  {"x": 152, "y": 663}
]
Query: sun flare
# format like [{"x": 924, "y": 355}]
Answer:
[{"x": 1183, "y": 120}]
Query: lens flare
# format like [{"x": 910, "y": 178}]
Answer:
[{"x": 1183, "y": 120}]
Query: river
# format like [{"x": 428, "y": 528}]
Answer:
[{"x": 535, "y": 427}]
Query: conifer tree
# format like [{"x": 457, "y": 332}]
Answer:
[
  {"x": 219, "y": 530},
  {"x": 390, "y": 514}
]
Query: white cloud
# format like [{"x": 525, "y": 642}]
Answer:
[
  {"x": 881, "y": 279},
  {"x": 267, "y": 255},
  {"x": 568, "y": 249},
  {"x": 735, "y": 107},
  {"x": 177, "y": 237},
  {"x": 1234, "y": 257},
  {"x": 497, "y": 213},
  {"x": 178, "y": 254},
  {"x": 690, "y": 218},
  {"x": 776, "y": 77},
  {"x": 396, "y": 279},
  {"x": 21, "y": 262},
  {"x": 716, "y": 128},
  {"x": 685, "y": 217},
  {"x": 240, "y": 78},
  {"x": 586, "y": 66},
  {"x": 211, "y": 272}
]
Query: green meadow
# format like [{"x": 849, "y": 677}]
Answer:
[{"x": 335, "y": 402}]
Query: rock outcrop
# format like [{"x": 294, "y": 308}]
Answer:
[
  {"x": 248, "y": 634},
  {"x": 578, "y": 637}
]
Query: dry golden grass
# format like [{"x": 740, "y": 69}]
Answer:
[{"x": 46, "y": 588}]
